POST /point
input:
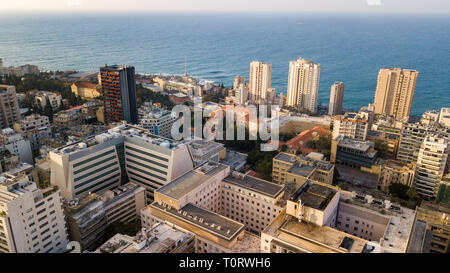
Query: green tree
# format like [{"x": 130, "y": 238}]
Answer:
[
  {"x": 48, "y": 110},
  {"x": 382, "y": 148},
  {"x": 399, "y": 190}
]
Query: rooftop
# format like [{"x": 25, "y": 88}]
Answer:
[
  {"x": 301, "y": 169},
  {"x": 314, "y": 195},
  {"x": 158, "y": 239},
  {"x": 191, "y": 180},
  {"x": 201, "y": 147},
  {"x": 212, "y": 222},
  {"x": 255, "y": 184}
]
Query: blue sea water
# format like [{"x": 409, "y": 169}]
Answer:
[{"x": 350, "y": 48}]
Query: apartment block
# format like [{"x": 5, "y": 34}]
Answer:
[
  {"x": 259, "y": 80},
  {"x": 31, "y": 219},
  {"x": 352, "y": 125},
  {"x": 436, "y": 218},
  {"x": 54, "y": 98},
  {"x": 444, "y": 117},
  {"x": 35, "y": 128},
  {"x": 336, "y": 99},
  {"x": 294, "y": 168},
  {"x": 432, "y": 162},
  {"x": 9, "y": 106},
  {"x": 394, "y": 171},
  {"x": 16, "y": 145},
  {"x": 303, "y": 84},
  {"x": 354, "y": 153},
  {"x": 395, "y": 92},
  {"x": 157, "y": 122}
]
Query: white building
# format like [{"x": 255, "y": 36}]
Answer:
[
  {"x": 303, "y": 84},
  {"x": 17, "y": 145},
  {"x": 36, "y": 128},
  {"x": 259, "y": 80},
  {"x": 157, "y": 122},
  {"x": 31, "y": 219},
  {"x": 353, "y": 125},
  {"x": 54, "y": 98},
  {"x": 444, "y": 117},
  {"x": 241, "y": 94},
  {"x": 432, "y": 162},
  {"x": 112, "y": 158}
]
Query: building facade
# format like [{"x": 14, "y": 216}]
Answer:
[
  {"x": 352, "y": 125},
  {"x": 9, "y": 106},
  {"x": 119, "y": 93},
  {"x": 303, "y": 84},
  {"x": 336, "y": 99},
  {"x": 259, "y": 80}
]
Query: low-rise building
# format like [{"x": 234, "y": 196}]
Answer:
[
  {"x": 158, "y": 122},
  {"x": 352, "y": 125},
  {"x": 17, "y": 145},
  {"x": 86, "y": 90},
  {"x": 9, "y": 106},
  {"x": 289, "y": 167},
  {"x": 436, "y": 217},
  {"x": 351, "y": 152},
  {"x": 68, "y": 119},
  {"x": 161, "y": 238},
  {"x": 35, "y": 128},
  {"x": 54, "y": 98},
  {"x": 444, "y": 117},
  {"x": 299, "y": 143},
  {"x": 205, "y": 150},
  {"x": 394, "y": 171}
]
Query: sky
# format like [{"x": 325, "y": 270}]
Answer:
[{"x": 326, "y": 6}]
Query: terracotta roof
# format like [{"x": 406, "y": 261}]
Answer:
[{"x": 86, "y": 85}]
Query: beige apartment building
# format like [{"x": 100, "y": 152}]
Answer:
[
  {"x": 9, "y": 107},
  {"x": 303, "y": 84},
  {"x": 394, "y": 171},
  {"x": 259, "y": 80},
  {"x": 336, "y": 99},
  {"x": 437, "y": 220},
  {"x": 86, "y": 90},
  {"x": 395, "y": 92},
  {"x": 294, "y": 168}
]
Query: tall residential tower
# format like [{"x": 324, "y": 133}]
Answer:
[
  {"x": 336, "y": 99},
  {"x": 259, "y": 81},
  {"x": 303, "y": 84},
  {"x": 119, "y": 93},
  {"x": 395, "y": 92}
]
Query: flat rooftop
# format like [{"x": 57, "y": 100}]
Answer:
[
  {"x": 207, "y": 220},
  {"x": 302, "y": 236},
  {"x": 314, "y": 195},
  {"x": 285, "y": 157},
  {"x": 191, "y": 180},
  {"x": 202, "y": 147},
  {"x": 234, "y": 159},
  {"x": 164, "y": 237},
  {"x": 255, "y": 184},
  {"x": 301, "y": 169}
]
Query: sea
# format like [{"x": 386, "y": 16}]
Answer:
[{"x": 218, "y": 46}]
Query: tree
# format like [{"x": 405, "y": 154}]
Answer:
[
  {"x": 284, "y": 148},
  {"x": 382, "y": 148},
  {"x": 399, "y": 190},
  {"x": 343, "y": 186},
  {"x": 412, "y": 194},
  {"x": 48, "y": 110}
]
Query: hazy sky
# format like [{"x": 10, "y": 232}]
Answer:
[{"x": 415, "y": 6}]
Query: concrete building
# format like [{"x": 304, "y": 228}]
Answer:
[
  {"x": 432, "y": 162},
  {"x": 293, "y": 168},
  {"x": 259, "y": 80},
  {"x": 112, "y": 158},
  {"x": 430, "y": 117},
  {"x": 31, "y": 219},
  {"x": 17, "y": 145},
  {"x": 86, "y": 90},
  {"x": 157, "y": 122},
  {"x": 8, "y": 161},
  {"x": 398, "y": 172},
  {"x": 336, "y": 99},
  {"x": 54, "y": 98},
  {"x": 241, "y": 94},
  {"x": 161, "y": 238},
  {"x": 352, "y": 125},
  {"x": 323, "y": 219},
  {"x": 354, "y": 153},
  {"x": 205, "y": 150},
  {"x": 19, "y": 71},
  {"x": 392, "y": 141},
  {"x": 196, "y": 202},
  {"x": 238, "y": 80},
  {"x": 9, "y": 107},
  {"x": 395, "y": 92},
  {"x": 444, "y": 117},
  {"x": 68, "y": 119},
  {"x": 303, "y": 84},
  {"x": 35, "y": 128},
  {"x": 436, "y": 218},
  {"x": 119, "y": 93}
]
